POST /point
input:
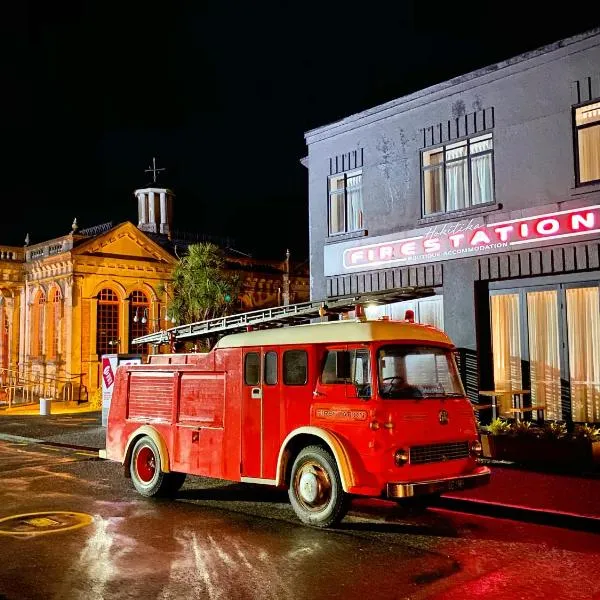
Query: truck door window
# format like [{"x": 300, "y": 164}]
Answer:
[
  {"x": 271, "y": 368},
  {"x": 348, "y": 367},
  {"x": 252, "y": 368},
  {"x": 295, "y": 367}
]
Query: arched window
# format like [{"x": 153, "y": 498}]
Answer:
[
  {"x": 39, "y": 305},
  {"x": 139, "y": 321},
  {"x": 55, "y": 324},
  {"x": 4, "y": 347},
  {"x": 107, "y": 322}
]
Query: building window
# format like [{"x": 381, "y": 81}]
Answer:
[
  {"x": 458, "y": 175},
  {"x": 587, "y": 124},
  {"x": 138, "y": 320},
  {"x": 38, "y": 324},
  {"x": 345, "y": 203},
  {"x": 107, "y": 323},
  {"x": 55, "y": 325}
]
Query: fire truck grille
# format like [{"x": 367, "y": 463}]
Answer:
[{"x": 420, "y": 455}]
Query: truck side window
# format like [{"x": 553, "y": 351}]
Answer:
[
  {"x": 295, "y": 367},
  {"x": 270, "y": 368},
  {"x": 336, "y": 367},
  {"x": 252, "y": 368}
]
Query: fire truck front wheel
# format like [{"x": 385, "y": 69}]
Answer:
[
  {"x": 315, "y": 490},
  {"x": 146, "y": 475}
]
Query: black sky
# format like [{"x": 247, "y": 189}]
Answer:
[{"x": 221, "y": 93}]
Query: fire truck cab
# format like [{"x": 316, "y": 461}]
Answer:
[{"x": 326, "y": 410}]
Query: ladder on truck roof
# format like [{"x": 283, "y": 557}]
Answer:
[{"x": 277, "y": 316}]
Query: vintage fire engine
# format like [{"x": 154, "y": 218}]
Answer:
[{"x": 327, "y": 410}]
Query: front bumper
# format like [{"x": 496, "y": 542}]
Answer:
[{"x": 438, "y": 486}]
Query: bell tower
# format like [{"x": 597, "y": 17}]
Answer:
[{"x": 155, "y": 205}]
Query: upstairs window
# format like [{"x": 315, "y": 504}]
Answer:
[
  {"x": 587, "y": 124},
  {"x": 345, "y": 203},
  {"x": 458, "y": 175}
]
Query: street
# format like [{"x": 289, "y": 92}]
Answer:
[{"x": 220, "y": 540}]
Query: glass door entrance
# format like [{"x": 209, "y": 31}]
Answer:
[
  {"x": 547, "y": 340},
  {"x": 583, "y": 308}
]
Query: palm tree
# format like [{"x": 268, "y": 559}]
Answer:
[{"x": 201, "y": 286}]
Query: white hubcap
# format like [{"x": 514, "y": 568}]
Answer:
[{"x": 309, "y": 487}]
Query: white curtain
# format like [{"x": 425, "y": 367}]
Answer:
[
  {"x": 506, "y": 347},
  {"x": 457, "y": 178},
  {"x": 355, "y": 205},
  {"x": 583, "y": 318},
  {"x": 589, "y": 153},
  {"x": 544, "y": 351},
  {"x": 431, "y": 311},
  {"x": 481, "y": 179},
  {"x": 588, "y": 141},
  {"x": 336, "y": 206}
]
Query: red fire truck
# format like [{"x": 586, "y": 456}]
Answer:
[{"x": 326, "y": 410}]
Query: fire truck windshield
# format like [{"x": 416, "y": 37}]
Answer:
[{"x": 407, "y": 371}]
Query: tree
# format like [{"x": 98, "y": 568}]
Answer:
[{"x": 201, "y": 286}]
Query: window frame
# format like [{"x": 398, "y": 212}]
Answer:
[
  {"x": 344, "y": 175},
  {"x": 576, "y": 129},
  {"x": 468, "y": 141},
  {"x": 139, "y": 304},
  {"x": 115, "y": 305}
]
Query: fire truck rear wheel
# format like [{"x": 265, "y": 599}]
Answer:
[
  {"x": 315, "y": 489},
  {"x": 146, "y": 475}
]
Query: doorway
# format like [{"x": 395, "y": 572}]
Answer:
[{"x": 547, "y": 339}]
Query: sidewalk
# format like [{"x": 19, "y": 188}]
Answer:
[{"x": 512, "y": 488}]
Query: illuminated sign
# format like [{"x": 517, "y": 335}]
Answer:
[{"x": 465, "y": 238}]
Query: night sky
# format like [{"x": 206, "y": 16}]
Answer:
[{"x": 221, "y": 93}]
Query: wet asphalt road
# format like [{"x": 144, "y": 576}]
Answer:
[{"x": 227, "y": 541}]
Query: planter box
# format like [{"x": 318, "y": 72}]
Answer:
[{"x": 532, "y": 450}]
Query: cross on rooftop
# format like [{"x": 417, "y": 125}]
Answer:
[{"x": 154, "y": 170}]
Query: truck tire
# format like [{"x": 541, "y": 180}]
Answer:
[
  {"x": 145, "y": 471},
  {"x": 315, "y": 489}
]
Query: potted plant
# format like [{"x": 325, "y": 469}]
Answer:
[{"x": 548, "y": 445}]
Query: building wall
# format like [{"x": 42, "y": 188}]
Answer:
[
  {"x": 122, "y": 259},
  {"x": 527, "y": 104}
]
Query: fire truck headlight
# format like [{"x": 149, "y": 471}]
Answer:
[
  {"x": 401, "y": 457},
  {"x": 476, "y": 448}
]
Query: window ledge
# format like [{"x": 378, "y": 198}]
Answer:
[
  {"x": 457, "y": 215},
  {"x": 340, "y": 237},
  {"x": 585, "y": 188}
]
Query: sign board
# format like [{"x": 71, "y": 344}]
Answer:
[
  {"x": 460, "y": 239},
  {"x": 110, "y": 362}
]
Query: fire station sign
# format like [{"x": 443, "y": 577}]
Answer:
[{"x": 460, "y": 239}]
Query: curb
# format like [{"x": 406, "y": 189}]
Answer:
[
  {"x": 21, "y": 439},
  {"x": 556, "y": 518},
  {"x": 562, "y": 519}
]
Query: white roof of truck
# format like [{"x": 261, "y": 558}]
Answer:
[{"x": 346, "y": 331}]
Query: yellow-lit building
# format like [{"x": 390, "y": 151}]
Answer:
[{"x": 66, "y": 301}]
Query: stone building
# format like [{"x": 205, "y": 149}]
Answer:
[{"x": 66, "y": 301}]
